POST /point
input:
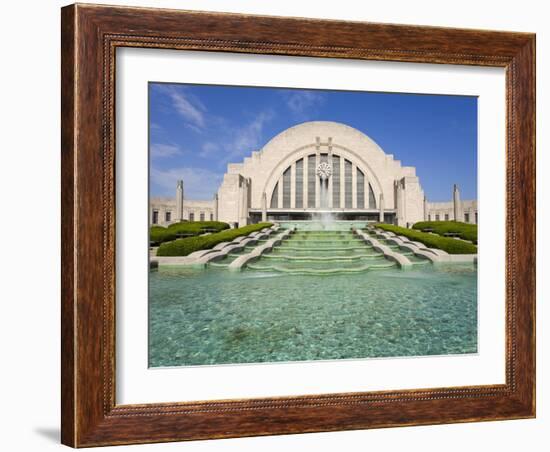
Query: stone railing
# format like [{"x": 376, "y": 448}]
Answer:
[
  {"x": 433, "y": 254},
  {"x": 401, "y": 260},
  {"x": 418, "y": 248}
]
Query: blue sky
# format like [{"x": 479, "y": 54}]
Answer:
[{"x": 196, "y": 130}]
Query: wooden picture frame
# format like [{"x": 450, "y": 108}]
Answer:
[{"x": 90, "y": 36}]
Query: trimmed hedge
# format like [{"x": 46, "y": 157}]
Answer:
[
  {"x": 196, "y": 227},
  {"x": 183, "y": 247},
  {"x": 450, "y": 245},
  {"x": 160, "y": 234},
  {"x": 466, "y": 231}
]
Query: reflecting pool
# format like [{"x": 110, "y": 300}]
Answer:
[{"x": 215, "y": 316}]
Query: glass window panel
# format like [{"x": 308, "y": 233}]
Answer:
[
  {"x": 336, "y": 181},
  {"x": 311, "y": 181},
  {"x": 360, "y": 189},
  {"x": 300, "y": 183},
  {"x": 286, "y": 188},
  {"x": 347, "y": 184}
]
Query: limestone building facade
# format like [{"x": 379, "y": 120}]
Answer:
[
  {"x": 165, "y": 211},
  {"x": 314, "y": 169}
]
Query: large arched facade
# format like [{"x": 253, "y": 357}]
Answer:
[
  {"x": 318, "y": 167},
  {"x": 312, "y": 169},
  {"x": 313, "y": 179}
]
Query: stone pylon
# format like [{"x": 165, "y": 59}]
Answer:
[
  {"x": 179, "y": 200},
  {"x": 215, "y": 207},
  {"x": 400, "y": 202},
  {"x": 457, "y": 204},
  {"x": 264, "y": 207}
]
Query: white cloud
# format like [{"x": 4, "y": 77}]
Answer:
[
  {"x": 300, "y": 102},
  {"x": 189, "y": 107},
  {"x": 188, "y": 110},
  {"x": 159, "y": 150},
  {"x": 247, "y": 138},
  {"x": 198, "y": 183}
]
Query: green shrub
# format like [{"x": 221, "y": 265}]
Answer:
[
  {"x": 466, "y": 231},
  {"x": 160, "y": 234},
  {"x": 450, "y": 245},
  {"x": 197, "y": 227},
  {"x": 186, "y": 246}
]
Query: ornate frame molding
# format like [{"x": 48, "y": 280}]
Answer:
[{"x": 90, "y": 36}]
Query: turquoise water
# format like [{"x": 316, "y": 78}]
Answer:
[{"x": 215, "y": 316}]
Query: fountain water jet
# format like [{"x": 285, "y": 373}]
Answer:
[{"x": 324, "y": 171}]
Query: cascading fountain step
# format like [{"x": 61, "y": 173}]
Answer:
[
  {"x": 335, "y": 250},
  {"x": 312, "y": 270},
  {"x": 321, "y": 236},
  {"x": 322, "y": 253},
  {"x": 418, "y": 260},
  {"x": 413, "y": 258},
  {"x": 323, "y": 244},
  {"x": 309, "y": 258},
  {"x": 226, "y": 260}
]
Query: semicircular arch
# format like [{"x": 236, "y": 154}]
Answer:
[{"x": 304, "y": 151}]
